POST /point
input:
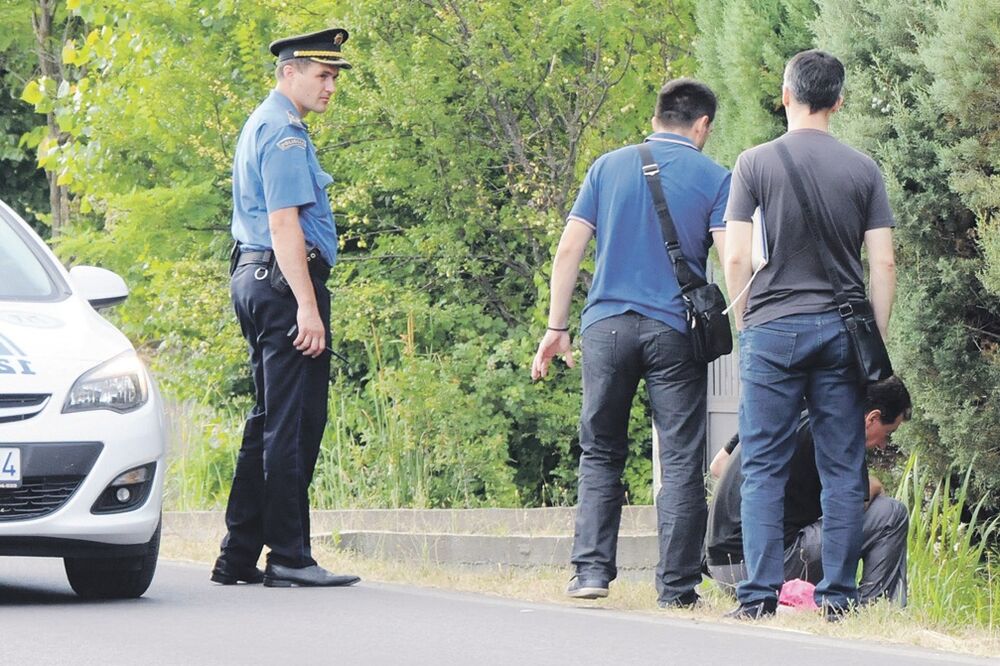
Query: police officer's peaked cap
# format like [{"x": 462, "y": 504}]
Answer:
[{"x": 322, "y": 46}]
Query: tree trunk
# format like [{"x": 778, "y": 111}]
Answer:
[{"x": 50, "y": 66}]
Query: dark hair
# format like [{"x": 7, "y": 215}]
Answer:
[
  {"x": 815, "y": 78},
  {"x": 683, "y": 101},
  {"x": 891, "y": 398}
]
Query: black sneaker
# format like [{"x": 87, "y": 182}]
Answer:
[
  {"x": 837, "y": 613},
  {"x": 582, "y": 586},
  {"x": 755, "y": 610},
  {"x": 686, "y": 601}
]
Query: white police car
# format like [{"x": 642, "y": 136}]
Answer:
[{"x": 81, "y": 423}]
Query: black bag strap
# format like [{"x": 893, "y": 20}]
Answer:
[
  {"x": 686, "y": 278},
  {"x": 815, "y": 231}
]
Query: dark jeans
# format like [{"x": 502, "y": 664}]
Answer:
[
  {"x": 883, "y": 551},
  {"x": 269, "y": 499},
  {"x": 781, "y": 362},
  {"x": 617, "y": 352}
]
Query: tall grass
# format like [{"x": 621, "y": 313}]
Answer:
[
  {"x": 374, "y": 465},
  {"x": 370, "y": 456},
  {"x": 954, "y": 579},
  {"x": 201, "y": 455},
  {"x": 368, "y": 464},
  {"x": 384, "y": 446}
]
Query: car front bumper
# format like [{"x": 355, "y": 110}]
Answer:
[{"x": 125, "y": 441}]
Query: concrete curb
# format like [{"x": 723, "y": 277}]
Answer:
[
  {"x": 479, "y": 538},
  {"x": 496, "y": 522},
  {"x": 471, "y": 550}
]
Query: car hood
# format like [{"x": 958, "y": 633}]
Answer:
[{"x": 44, "y": 345}]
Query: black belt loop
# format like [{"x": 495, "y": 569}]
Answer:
[{"x": 318, "y": 267}]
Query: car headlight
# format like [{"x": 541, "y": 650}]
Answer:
[{"x": 119, "y": 385}]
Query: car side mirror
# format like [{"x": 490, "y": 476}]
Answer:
[{"x": 101, "y": 287}]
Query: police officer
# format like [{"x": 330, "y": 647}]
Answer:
[{"x": 286, "y": 243}]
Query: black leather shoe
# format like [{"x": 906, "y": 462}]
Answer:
[
  {"x": 582, "y": 586},
  {"x": 226, "y": 574},
  {"x": 755, "y": 610},
  {"x": 315, "y": 576}
]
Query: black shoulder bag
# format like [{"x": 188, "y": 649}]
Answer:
[
  {"x": 871, "y": 360},
  {"x": 708, "y": 327}
]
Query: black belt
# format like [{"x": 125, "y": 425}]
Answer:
[
  {"x": 316, "y": 264},
  {"x": 263, "y": 257}
]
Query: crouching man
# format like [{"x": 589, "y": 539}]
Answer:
[{"x": 883, "y": 551}]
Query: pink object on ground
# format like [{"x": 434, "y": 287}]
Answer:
[{"x": 798, "y": 593}]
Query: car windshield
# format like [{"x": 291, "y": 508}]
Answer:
[{"x": 23, "y": 275}]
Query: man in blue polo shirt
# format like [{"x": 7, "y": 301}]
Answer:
[{"x": 633, "y": 327}]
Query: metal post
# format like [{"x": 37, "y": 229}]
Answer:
[{"x": 656, "y": 465}]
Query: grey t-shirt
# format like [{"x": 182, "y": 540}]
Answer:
[{"x": 854, "y": 200}]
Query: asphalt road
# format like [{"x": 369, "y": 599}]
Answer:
[{"x": 184, "y": 619}]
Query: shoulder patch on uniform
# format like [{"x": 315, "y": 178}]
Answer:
[
  {"x": 292, "y": 142},
  {"x": 294, "y": 120}
]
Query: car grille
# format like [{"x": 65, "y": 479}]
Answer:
[
  {"x": 37, "y": 496},
  {"x": 21, "y": 406}
]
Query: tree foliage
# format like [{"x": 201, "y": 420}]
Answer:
[
  {"x": 922, "y": 93},
  {"x": 457, "y": 142},
  {"x": 926, "y": 82},
  {"x": 742, "y": 47},
  {"x": 23, "y": 186}
]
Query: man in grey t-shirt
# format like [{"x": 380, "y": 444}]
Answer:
[{"x": 793, "y": 343}]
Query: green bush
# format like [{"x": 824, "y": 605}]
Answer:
[
  {"x": 923, "y": 83},
  {"x": 742, "y": 47}
]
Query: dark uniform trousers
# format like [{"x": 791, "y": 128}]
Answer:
[{"x": 269, "y": 500}]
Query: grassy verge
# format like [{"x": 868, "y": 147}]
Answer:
[
  {"x": 880, "y": 622},
  {"x": 953, "y": 577}
]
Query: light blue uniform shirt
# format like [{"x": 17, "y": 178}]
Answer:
[
  {"x": 632, "y": 270},
  {"x": 275, "y": 167}
]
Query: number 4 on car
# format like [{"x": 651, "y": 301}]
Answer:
[{"x": 81, "y": 423}]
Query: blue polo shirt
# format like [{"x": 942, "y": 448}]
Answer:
[
  {"x": 275, "y": 167},
  {"x": 632, "y": 270}
]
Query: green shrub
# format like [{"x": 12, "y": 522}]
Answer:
[
  {"x": 923, "y": 83},
  {"x": 923, "y": 80}
]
